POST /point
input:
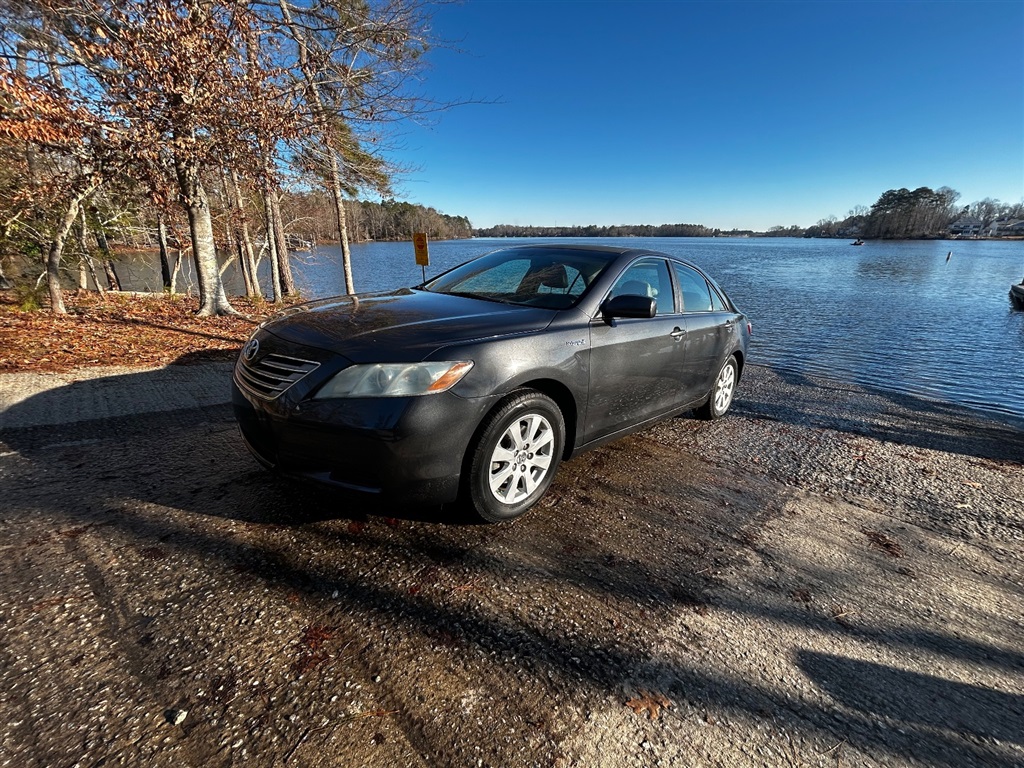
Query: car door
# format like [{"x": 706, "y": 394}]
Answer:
[
  {"x": 706, "y": 319},
  {"x": 635, "y": 363}
]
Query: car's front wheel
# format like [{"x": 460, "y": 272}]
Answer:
[
  {"x": 722, "y": 391},
  {"x": 515, "y": 456}
]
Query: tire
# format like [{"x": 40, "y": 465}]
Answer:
[
  {"x": 515, "y": 456},
  {"x": 722, "y": 391}
]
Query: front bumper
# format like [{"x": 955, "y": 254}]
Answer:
[{"x": 408, "y": 449}]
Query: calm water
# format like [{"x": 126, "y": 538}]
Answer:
[{"x": 893, "y": 315}]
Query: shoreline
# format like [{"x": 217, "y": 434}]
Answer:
[{"x": 153, "y": 250}]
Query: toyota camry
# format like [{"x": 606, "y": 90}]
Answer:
[{"x": 473, "y": 386}]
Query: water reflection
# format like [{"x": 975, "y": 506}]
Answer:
[{"x": 892, "y": 267}]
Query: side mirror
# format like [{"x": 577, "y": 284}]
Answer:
[{"x": 629, "y": 305}]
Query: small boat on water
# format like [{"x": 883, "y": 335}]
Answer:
[{"x": 1017, "y": 295}]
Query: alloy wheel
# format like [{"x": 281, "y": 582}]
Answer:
[
  {"x": 725, "y": 386},
  {"x": 521, "y": 458}
]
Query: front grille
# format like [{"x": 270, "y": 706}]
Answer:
[{"x": 271, "y": 375}]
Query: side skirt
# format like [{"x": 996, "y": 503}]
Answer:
[{"x": 584, "y": 447}]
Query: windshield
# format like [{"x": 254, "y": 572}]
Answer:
[{"x": 554, "y": 278}]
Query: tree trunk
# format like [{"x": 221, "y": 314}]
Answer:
[
  {"x": 212, "y": 299},
  {"x": 165, "y": 265},
  {"x": 287, "y": 281},
  {"x": 339, "y": 208},
  {"x": 275, "y": 264},
  {"x": 83, "y": 274},
  {"x": 233, "y": 235},
  {"x": 229, "y": 242},
  {"x": 88, "y": 266},
  {"x": 113, "y": 281},
  {"x": 335, "y": 171},
  {"x": 234, "y": 238},
  {"x": 245, "y": 239},
  {"x": 54, "y": 253},
  {"x": 175, "y": 272}
]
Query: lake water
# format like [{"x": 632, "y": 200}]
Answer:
[{"x": 892, "y": 315}]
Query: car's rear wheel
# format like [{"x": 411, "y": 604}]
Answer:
[
  {"x": 515, "y": 456},
  {"x": 722, "y": 391}
]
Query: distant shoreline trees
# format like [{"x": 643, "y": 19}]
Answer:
[
  {"x": 309, "y": 215},
  {"x": 625, "y": 230},
  {"x": 921, "y": 214},
  {"x": 898, "y": 214}
]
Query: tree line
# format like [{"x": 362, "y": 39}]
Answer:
[
  {"x": 192, "y": 118},
  {"x": 897, "y": 214},
  {"x": 593, "y": 230},
  {"x": 309, "y": 215},
  {"x": 922, "y": 213}
]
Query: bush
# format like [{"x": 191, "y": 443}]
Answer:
[{"x": 29, "y": 296}]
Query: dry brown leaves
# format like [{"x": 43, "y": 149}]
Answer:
[
  {"x": 121, "y": 329},
  {"x": 313, "y": 648},
  {"x": 648, "y": 702},
  {"x": 883, "y": 543},
  {"x": 41, "y": 112}
]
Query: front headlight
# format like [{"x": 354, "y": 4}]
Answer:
[{"x": 395, "y": 379}]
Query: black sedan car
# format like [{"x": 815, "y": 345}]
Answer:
[{"x": 476, "y": 384}]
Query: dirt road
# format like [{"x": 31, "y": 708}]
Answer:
[{"x": 826, "y": 577}]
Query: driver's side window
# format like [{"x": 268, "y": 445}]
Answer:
[{"x": 647, "y": 278}]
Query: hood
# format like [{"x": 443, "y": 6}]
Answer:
[{"x": 401, "y": 325}]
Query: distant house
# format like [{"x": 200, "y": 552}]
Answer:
[
  {"x": 965, "y": 227},
  {"x": 1008, "y": 227}
]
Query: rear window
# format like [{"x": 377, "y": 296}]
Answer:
[{"x": 694, "y": 288}]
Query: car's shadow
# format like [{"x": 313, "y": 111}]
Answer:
[{"x": 169, "y": 437}]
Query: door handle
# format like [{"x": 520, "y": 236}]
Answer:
[{"x": 677, "y": 333}]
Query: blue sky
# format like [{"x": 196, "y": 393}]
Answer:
[{"x": 727, "y": 114}]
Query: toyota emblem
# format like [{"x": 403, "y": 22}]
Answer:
[{"x": 250, "y": 350}]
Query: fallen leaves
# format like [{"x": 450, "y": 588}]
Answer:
[
  {"x": 841, "y": 616},
  {"x": 648, "y": 702},
  {"x": 313, "y": 648},
  {"x": 884, "y": 543},
  {"x": 120, "y": 329},
  {"x": 801, "y": 595}
]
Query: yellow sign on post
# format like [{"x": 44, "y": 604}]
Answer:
[{"x": 419, "y": 241}]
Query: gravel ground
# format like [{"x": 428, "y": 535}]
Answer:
[{"x": 828, "y": 576}]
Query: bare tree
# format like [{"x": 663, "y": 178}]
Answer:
[
  {"x": 181, "y": 87},
  {"x": 248, "y": 255},
  {"x": 354, "y": 61},
  {"x": 190, "y": 86},
  {"x": 40, "y": 114},
  {"x": 165, "y": 90}
]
